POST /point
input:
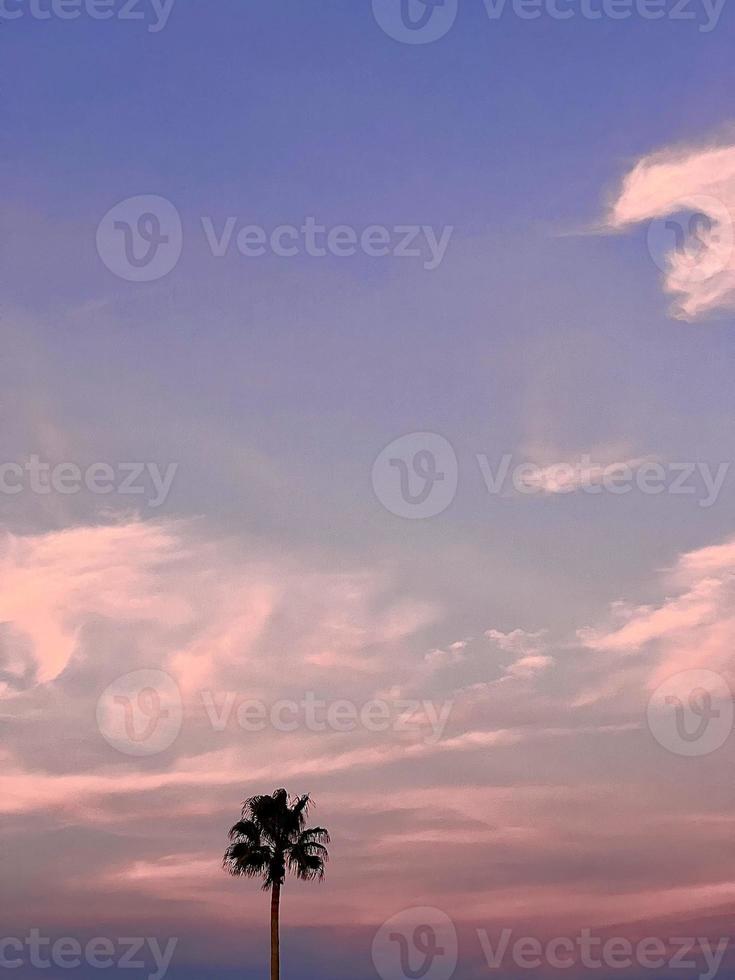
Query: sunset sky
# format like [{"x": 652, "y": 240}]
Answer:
[{"x": 202, "y": 519}]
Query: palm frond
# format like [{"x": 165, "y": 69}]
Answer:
[
  {"x": 307, "y": 867},
  {"x": 270, "y": 813},
  {"x": 242, "y": 858},
  {"x": 317, "y": 835},
  {"x": 247, "y": 829},
  {"x": 300, "y": 809},
  {"x": 272, "y": 838}
]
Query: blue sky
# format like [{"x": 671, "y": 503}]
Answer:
[{"x": 553, "y": 152}]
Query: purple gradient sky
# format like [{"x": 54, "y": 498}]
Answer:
[{"x": 272, "y": 569}]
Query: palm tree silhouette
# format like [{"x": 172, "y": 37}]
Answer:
[{"x": 271, "y": 839}]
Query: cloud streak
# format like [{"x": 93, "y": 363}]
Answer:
[{"x": 523, "y": 789}]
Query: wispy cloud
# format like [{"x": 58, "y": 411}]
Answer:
[
  {"x": 534, "y": 722},
  {"x": 693, "y": 628},
  {"x": 697, "y": 255}
]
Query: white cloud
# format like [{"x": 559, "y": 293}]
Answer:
[{"x": 697, "y": 256}]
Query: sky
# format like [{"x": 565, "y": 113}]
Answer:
[{"x": 367, "y": 424}]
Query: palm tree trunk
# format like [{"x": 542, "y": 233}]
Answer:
[{"x": 275, "y": 940}]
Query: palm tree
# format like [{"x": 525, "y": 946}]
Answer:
[{"x": 271, "y": 839}]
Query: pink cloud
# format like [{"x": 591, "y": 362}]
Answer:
[
  {"x": 692, "y": 629},
  {"x": 54, "y": 583},
  {"x": 525, "y": 790},
  {"x": 205, "y": 603}
]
